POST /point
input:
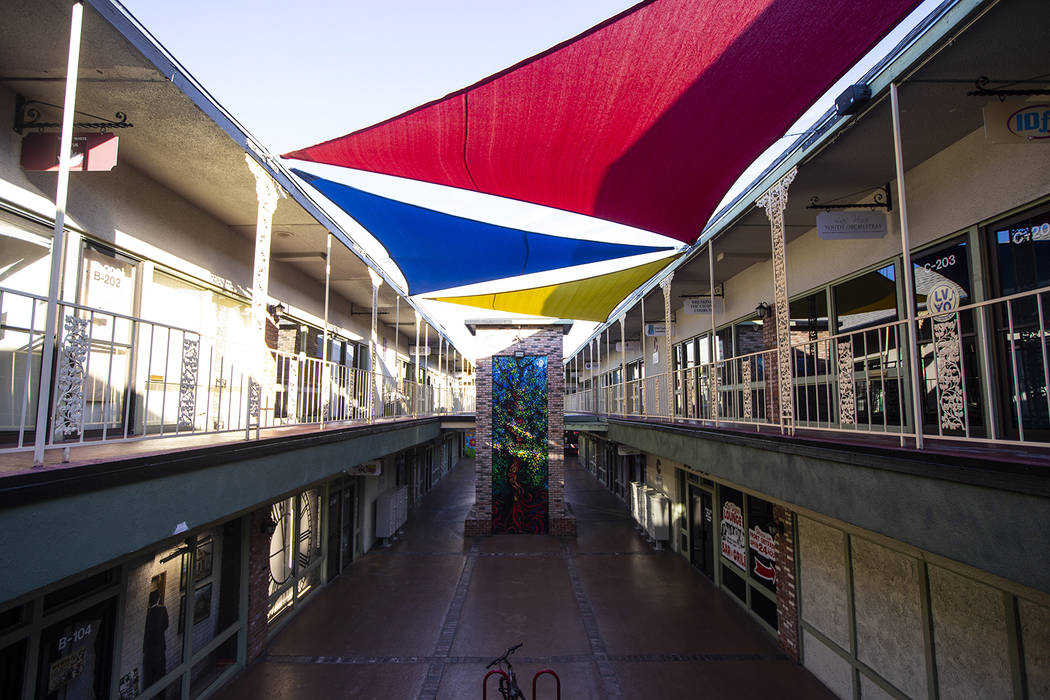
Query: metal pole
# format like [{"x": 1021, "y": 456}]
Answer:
[
  {"x": 57, "y": 242},
  {"x": 714, "y": 342},
  {"x": 374, "y": 362},
  {"x": 909, "y": 301}
]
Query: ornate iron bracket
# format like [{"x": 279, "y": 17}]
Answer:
[
  {"x": 882, "y": 199},
  {"x": 28, "y": 117},
  {"x": 982, "y": 89}
]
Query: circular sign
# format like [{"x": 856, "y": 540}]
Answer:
[{"x": 943, "y": 298}]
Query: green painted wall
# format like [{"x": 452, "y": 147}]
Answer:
[
  {"x": 1000, "y": 531},
  {"x": 50, "y": 539}
]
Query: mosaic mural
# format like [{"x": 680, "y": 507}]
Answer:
[{"x": 519, "y": 444}]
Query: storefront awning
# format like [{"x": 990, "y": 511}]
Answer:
[
  {"x": 589, "y": 299},
  {"x": 438, "y": 251},
  {"x": 646, "y": 119}
]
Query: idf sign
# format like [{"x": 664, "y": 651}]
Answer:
[
  {"x": 1017, "y": 121},
  {"x": 419, "y": 350},
  {"x": 845, "y": 225}
]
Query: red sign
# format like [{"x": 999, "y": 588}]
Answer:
[{"x": 91, "y": 151}]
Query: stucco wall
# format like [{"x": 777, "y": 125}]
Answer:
[
  {"x": 970, "y": 637},
  {"x": 823, "y": 579},
  {"x": 888, "y": 605}
]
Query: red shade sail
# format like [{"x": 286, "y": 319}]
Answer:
[{"x": 646, "y": 119}]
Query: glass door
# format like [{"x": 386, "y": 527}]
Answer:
[{"x": 701, "y": 529}]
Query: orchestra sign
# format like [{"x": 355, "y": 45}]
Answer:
[{"x": 90, "y": 151}]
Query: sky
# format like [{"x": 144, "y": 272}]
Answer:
[{"x": 298, "y": 73}]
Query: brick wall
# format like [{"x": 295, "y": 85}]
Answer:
[
  {"x": 258, "y": 582},
  {"x": 787, "y": 604},
  {"x": 548, "y": 342}
]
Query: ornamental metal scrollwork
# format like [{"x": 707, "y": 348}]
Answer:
[
  {"x": 774, "y": 201},
  {"x": 745, "y": 379},
  {"x": 948, "y": 351},
  {"x": 293, "y": 391},
  {"x": 254, "y": 400},
  {"x": 188, "y": 382},
  {"x": 847, "y": 392},
  {"x": 70, "y": 410}
]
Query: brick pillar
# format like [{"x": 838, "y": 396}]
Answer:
[
  {"x": 258, "y": 583},
  {"x": 548, "y": 342},
  {"x": 479, "y": 519},
  {"x": 787, "y": 601}
]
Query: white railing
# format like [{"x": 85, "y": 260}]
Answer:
[
  {"x": 984, "y": 377},
  {"x": 118, "y": 377}
]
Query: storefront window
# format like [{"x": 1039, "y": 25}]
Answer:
[
  {"x": 76, "y": 654},
  {"x": 733, "y": 541},
  {"x": 866, "y": 301},
  {"x": 1022, "y": 264},
  {"x": 295, "y": 550}
]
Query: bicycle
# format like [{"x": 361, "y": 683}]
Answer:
[{"x": 508, "y": 683}]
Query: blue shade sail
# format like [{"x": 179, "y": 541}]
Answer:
[{"x": 438, "y": 251}]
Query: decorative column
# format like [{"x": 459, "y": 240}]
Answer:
[
  {"x": 714, "y": 337},
  {"x": 264, "y": 372},
  {"x": 774, "y": 201},
  {"x": 644, "y": 363},
  {"x": 665, "y": 285},
  {"x": 326, "y": 371},
  {"x": 623, "y": 365},
  {"x": 415, "y": 376},
  {"x": 375, "y": 385}
]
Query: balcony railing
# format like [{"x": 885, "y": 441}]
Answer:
[
  {"x": 118, "y": 377},
  {"x": 983, "y": 377}
]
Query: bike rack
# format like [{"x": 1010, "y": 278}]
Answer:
[
  {"x": 537, "y": 677},
  {"x": 485, "y": 682}
]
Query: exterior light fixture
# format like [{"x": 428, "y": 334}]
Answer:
[
  {"x": 276, "y": 311},
  {"x": 764, "y": 310},
  {"x": 268, "y": 526}
]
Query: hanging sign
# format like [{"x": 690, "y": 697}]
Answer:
[
  {"x": 366, "y": 469},
  {"x": 95, "y": 152},
  {"x": 418, "y": 350},
  {"x": 702, "y": 305},
  {"x": 632, "y": 346},
  {"x": 655, "y": 329},
  {"x": 734, "y": 544},
  {"x": 1017, "y": 121},
  {"x": 764, "y": 548},
  {"x": 851, "y": 224}
]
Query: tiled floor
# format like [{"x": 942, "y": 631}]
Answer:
[{"x": 612, "y": 617}]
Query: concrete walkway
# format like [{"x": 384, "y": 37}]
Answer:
[{"x": 613, "y": 618}]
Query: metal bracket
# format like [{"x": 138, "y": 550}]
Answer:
[
  {"x": 882, "y": 199},
  {"x": 27, "y": 117},
  {"x": 982, "y": 89}
]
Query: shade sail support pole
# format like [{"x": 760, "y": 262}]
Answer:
[{"x": 909, "y": 295}]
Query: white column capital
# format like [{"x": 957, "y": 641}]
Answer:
[
  {"x": 266, "y": 189},
  {"x": 377, "y": 280}
]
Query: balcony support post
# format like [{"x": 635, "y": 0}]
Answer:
[
  {"x": 714, "y": 339},
  {"x": 326, "y": 371},
  {"x": 665, "y": 285},
  {"x": 774, "y": 201},
  {"x": 57, "y": 242},
  {"x": 374, "y": 386},
  {"x": 415, "y": 374},
  {"x": 909, "y": 295},
  {"x": 623, "y": 364}
]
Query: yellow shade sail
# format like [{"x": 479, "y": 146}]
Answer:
[{"x": 588, "y": 299}]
